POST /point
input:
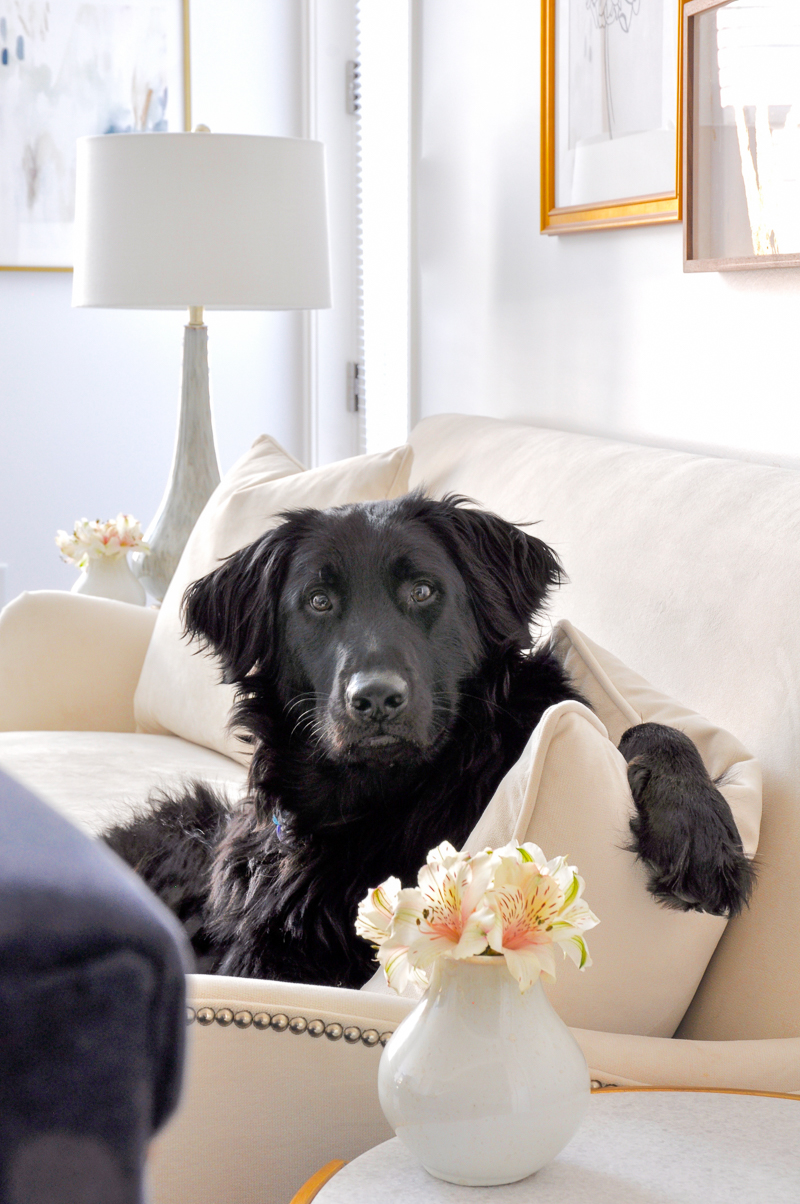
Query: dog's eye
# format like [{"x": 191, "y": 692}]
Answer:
[
  {"x": 421, "y": 592},
  {"x": 319, "y": 601}
]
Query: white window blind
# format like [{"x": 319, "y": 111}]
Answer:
[{"x": 384, "y": 125}]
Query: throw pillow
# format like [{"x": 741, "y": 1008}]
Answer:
[
  {"x": 569, "y": 794},
  {"x": 179, "y": 691}
]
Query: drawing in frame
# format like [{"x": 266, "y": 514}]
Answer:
[
  {"x": 68, "y": 69},
  {"x": 611, "y": 114},
  {"x": 742, "y": 134}
]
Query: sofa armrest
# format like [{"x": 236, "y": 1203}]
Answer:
[
  {"x": 70, "y": 662},
  {"x": 267, "y": 1102},
  {"x": 619, "y": 1060},
  {"x": 264, "y": 1107}
]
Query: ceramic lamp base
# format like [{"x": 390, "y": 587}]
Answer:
[{"x": 194, "y": 475}]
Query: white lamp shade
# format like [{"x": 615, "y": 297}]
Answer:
[{"x": 224, "y": 221}]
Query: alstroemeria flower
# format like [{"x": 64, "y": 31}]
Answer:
[
  {"x": 444, "y": 916},
  {"x": 129, "y": 531},
  {"x": 511, "y": 902},
  {"x": 398, "y": 966},
  {"x": 537, "y": 904},
  {"x": 376, "y": 912},
  {"x": 92, "y": 539},
  {"x": 440, "y": 917}
]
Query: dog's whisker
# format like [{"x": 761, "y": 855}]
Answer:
[
  {"x": 490, "y": 704},
  {"x": 309, "y": 723},
  {"x": 310, "y": 697}
]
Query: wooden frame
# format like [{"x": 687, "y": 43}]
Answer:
[
  {"x": 699, "y": 1091},
  {"x": 39, "y": 26},
  {"x": 626, "y": 211},
  {"x": 311, "y": 1189},
  {"x": 693, "y": 258}
]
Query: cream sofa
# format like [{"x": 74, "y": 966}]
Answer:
[{"x": 686, "y": 567}]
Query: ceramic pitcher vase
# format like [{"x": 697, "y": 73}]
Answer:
[
  {"x": 110, "y": 577},
  {"x": 484, "y": 1084}
]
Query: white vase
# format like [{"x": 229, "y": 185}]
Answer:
[
  {"x": 484, "y": 1084},
  {"x": 110, "y": 577}
]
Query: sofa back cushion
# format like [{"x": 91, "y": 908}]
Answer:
[
  {"x": 688, "y": 569},
  {"x": 179, "y": 692}
]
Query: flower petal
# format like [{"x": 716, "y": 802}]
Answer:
[
  {"x": 575, "y": 949},
  {"x": 525, "y": 966},
  {"x": 376, "y": 911}
]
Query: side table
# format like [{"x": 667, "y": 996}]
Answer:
[{"x": 663, "y": 1145}]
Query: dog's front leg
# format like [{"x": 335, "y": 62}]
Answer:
[{"x": 683, "y": 828}]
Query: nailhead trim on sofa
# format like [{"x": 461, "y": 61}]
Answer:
[{"x": 280, "y": 1022}]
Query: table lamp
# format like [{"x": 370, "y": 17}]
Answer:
[{"x": 197, "y": 220}]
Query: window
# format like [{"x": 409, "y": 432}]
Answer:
[{"x": 384, "y": 105}]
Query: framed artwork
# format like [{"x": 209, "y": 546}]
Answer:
[
  {"x": 71, "y": 68},
  {"x": 742, "y": 134},
  {"x": 611, "y": 121}
]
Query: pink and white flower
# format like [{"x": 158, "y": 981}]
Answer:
[
  {"x": 537, "y": 904},
  {"x": 510, "y": 902},
  {"x": 92, "y": 539},
  {"x": 442, "y": 916}
]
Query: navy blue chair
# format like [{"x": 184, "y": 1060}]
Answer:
[{"x": 92, "y": 1013}]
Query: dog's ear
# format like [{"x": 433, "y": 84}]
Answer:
[
  {"x": 233, "y": 610},
  {"x": 509, "y": 572}
]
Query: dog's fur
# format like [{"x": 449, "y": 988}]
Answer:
[{"x": 383, "y": 672}]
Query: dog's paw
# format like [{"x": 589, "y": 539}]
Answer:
[
  {"x": 695, "y": 871},
  {"x": 683, "y": 829}
]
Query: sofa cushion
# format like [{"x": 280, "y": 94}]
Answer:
[
  {"x": 569, "y": 794},
  {"x": 97, "y": 779},
  {"x": 179, "y": 691}
]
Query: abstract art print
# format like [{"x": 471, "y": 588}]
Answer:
[
  {"x": 742, "y": 134},
  {"x": 610, "y": 113},
  {"x": 69, "y": 68}
]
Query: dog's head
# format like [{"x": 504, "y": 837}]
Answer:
[{"x": 364, "y": 623}]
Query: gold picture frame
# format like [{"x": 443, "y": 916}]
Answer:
[
  {"x": 626, "y": 210},
  {"x": 44, "y": 52},
  {"x": 741, "y": 164}
]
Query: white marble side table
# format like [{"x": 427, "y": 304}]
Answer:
[{"x": 636, "y": 1146}]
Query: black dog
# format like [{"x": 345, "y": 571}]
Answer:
[{"x": 381, "y": 657}]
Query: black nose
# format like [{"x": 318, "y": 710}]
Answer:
[{"x": 376, "y": 696}]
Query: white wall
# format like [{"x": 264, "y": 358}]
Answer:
[
  {"x": 89, "y": 398},
  {"x": 600, "y": 332}
]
